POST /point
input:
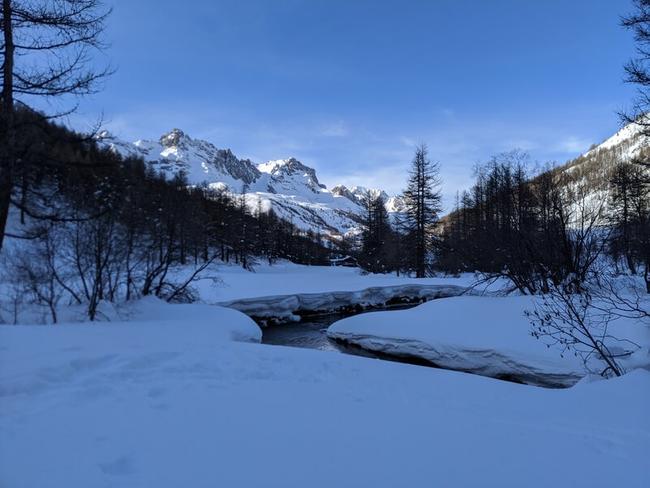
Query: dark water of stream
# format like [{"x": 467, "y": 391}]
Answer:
[{"x": 311, "y": 333}]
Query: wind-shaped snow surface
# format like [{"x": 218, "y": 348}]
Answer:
[
  {"x": 287, "y": 186},
  {"x": 171, "y": 402}
]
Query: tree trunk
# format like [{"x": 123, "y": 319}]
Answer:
[{"x": 7, "y": 119}]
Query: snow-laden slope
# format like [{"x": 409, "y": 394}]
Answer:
[
  {"x": 593, "y": 169},
  {"x": 629, "y": 141},
  {"x": 585, "y": 180},
  {"x": 294, "y": 192},
  {"x": 287, "y": 186}
]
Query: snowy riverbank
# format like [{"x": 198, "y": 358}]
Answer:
[
  {"x": 174, "y": 402},
  {"x": 285, "y": 291},
  {"x": 489, "y": 336},
  {"x": 286, "y": 308},
  {"x": 281, "y": 291},
  {"x": 284, "y": 278}
]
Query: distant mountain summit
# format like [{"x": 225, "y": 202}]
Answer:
[
  {"x": 357, "y": 194},
  {"x": 288, "y": 186},
  {"x": 289, "y": 175},
  {"x": 294, "y": 192}
]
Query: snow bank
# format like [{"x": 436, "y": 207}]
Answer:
[
  {"x": 291, "y": 307},
  {"x": 489, "y": 336},
  {"x": 285, "y": 278},
  {"x": 211, "y": 321},
  {"x": 149, "y": 324},
  {"x": 162, "y": 406},
  {"x": 285, "y": 291}
]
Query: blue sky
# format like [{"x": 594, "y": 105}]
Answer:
[{"x": 350, "y": 86}]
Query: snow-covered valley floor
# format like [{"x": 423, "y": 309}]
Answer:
[
  {"x": 168, "y": 400},
  {"x": 285, "y": 278},
  {"x": 184, "y": 395}
]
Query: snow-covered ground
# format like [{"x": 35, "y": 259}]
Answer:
[
  {"x": 287, "y": 308},
  {"x": 168, "y": 400},
  {"x": 268, "y": 291},
  {"x": 281, "y": 291},
  {"x": 480, "y": 334},
  {"x": 285, "y": 278}
]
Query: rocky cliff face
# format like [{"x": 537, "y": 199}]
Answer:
[
  {"x": 293, "y": 191},
  {"x": 288, "y": 186}
]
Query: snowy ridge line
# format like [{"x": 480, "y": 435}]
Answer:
[
  {"x": 287, "y": 186},
  {"x": 290, "y": 308},
  {"x": 483, "y": 362}
]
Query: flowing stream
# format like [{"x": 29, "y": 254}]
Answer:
[{"x": 310, "y": 333}]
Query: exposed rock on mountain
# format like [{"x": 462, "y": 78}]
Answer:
[
  {"x": 293, "y": 191},
  {"x": 288, "y": 186}
]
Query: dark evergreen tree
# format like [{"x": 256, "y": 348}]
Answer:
[
  {"x": 422, "y": 203},
  {"x": 623, "y": 182},
  {"x": 378, "y": 238},
  {"x": 638, "y": 73}
]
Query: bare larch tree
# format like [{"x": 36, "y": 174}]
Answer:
[
  {"x": 46, "y": 50},
  {"x": 636, "y": 69}
]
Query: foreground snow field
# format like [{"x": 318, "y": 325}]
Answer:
[
  {"x": 484, "y": 335},
  {"x": 173, "y": 402}
]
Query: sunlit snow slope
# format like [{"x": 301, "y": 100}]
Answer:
[
  {"x": 288, "y": 186},
  {"x": 293, "y": 191}
]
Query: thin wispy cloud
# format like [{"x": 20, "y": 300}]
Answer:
[
  {"x": 573, "y": 144},
  {"x": 355, "y": 105},
  {"x": 337, "y": 129},
  {"x": 357, "y": 153}
]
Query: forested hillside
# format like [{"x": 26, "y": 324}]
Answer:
[
  {"x": 90, "y": 225},
  {"x": 538, "y": 228},
  {"x": 289, "y": 187}
]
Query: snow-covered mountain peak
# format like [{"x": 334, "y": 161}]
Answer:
[
  {"x": 288, "y": 186},
  {"x": 592, "y": 171},
  {"x": 175, "y": 137},
  {"x": 199, "y": 160},
  {"x": 291, "y": 169},
  {"x": 274, "y": 166},
  {"x": 627, "y": 144},
  {"x": 371, "y": 192},
  {"x": 287, "y": 166},
  {"x": 343, "y": 191},
  {"x": 359, "y": 193}
]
